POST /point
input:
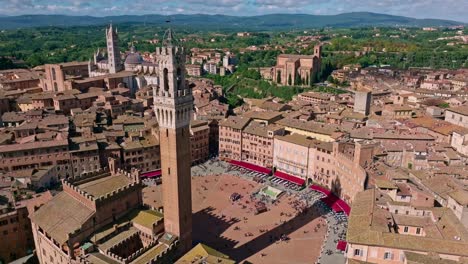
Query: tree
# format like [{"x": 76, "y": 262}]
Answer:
[
  {"x": 6, "y": 63},
  {"x": 325, "y": 71},
  {"x": 307, "y": 80},
  {"x": 298, "y": 79},
  {"x": 289, "y": 80},
  {"x": 35, "y": 60},
  {"x": 313, "y": 78},
  {"x": 444, "y": 105},
  {"x": 330, "y": 79}
]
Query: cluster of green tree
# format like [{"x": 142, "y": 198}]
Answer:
[
  {"x": 247, "y": 83},
  {"x": 398, "y": 48},
  {"x": 37, "y": 46},
  {"x": 263, "y": 58},
  {"x": 412, "y": 47},
  {"x": 6, "y": 63}
]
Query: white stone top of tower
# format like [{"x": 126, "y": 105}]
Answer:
[
  {"x": 173, "y": 100},
  {"x": 111, "y": 31}
]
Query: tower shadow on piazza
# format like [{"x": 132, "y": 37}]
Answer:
[{"x": 209, "y": 228}]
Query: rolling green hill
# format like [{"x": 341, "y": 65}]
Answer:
[{"x": 212, "y": 22}]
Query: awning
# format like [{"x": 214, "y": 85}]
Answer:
[
  {"x": 151, "y": 174},
  {"x": 344, "y": 206},
  {"x": 321, "y": 189},
  {"x": 331, "y": 201},
  {"x": 335, "y": 203},
  {"x": 251, "y": 166},
  {"x": 290, "y": 178},
  {"x": 341, "y": 245}
]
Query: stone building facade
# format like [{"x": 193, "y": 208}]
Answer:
[
  {"x": 199, "y": 140},
  {"x": 330, "y": 164},
  {"x": 294, "y": 69},
  {"x": 56, "y": 75},
  {"x": 230, "y": 137},
  {"x": 15, "y": 226},
  {"x": 257, "y": 143}
]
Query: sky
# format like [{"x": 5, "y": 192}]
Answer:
[{"x": 442, "y": 9}]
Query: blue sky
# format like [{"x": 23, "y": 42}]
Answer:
[{"x": 444, "y": 9}]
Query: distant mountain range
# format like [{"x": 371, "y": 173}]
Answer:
[{"x": 263, "y": 22}]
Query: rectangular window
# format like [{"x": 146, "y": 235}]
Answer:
[
  {"x": 357, "y": 252},
  {"x": 388, "y": 255},
  {"x": 418, "y": 230},
  {"x": 406, "y": 229}
]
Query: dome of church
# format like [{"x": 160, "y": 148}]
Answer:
[{"x": 133, "y": 58}]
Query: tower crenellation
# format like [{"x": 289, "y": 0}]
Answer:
[{"x": 173, "y": 97}]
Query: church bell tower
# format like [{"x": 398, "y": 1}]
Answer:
[
  {"x": 173, "y": 104},
  {"x": 113, "y": 51}
]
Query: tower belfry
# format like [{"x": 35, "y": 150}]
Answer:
[
  {"x": 113, "y": 51},
  {"x": 173, "y": 103}
]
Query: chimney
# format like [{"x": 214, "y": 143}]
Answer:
[
  {"x": 135, "y": 173},
  {"x": 112, "y": 166}
]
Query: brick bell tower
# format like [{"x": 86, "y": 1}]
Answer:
[{"x": 173, "y": 104}]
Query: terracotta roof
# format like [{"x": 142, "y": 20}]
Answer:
[
  {"x": 34, "y": 145},
  {"x": 61, "y": 216},
  {"x": 13, "y": 117},
  {"x": 415, "y": 258},
  {"x": 263, "y": 115},
  {"x": 235, "y": 122},
  {"x": 259, "y": 129},
  {"x": 460, "y": 196},
  {"x": 368, "y": 225},
  {"x": 463, "y": 110},
  {"x": 73, "y": 63},
  {"x": 105, "y": 185},
  {"x": 310, "y": 126},
  {"x": 385, "y": 184},
  {"x": 147, "y": 218},
  {"x": 204, "y": 254}
]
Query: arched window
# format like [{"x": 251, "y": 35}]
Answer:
[
  {"x": 53, "y": 74},
  {"x": 179, "y": 79},
  {"x": 165, "y": 80}
]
